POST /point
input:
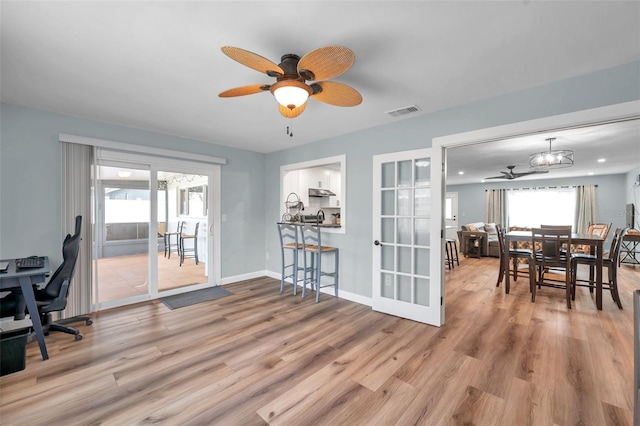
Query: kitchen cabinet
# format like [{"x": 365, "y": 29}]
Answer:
[
  {"x": 317, "y": 179},
  {"x": 299, "y": 182}
]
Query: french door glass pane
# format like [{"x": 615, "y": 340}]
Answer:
[
  {"x": 388, "y": 175},
  {"x": 388, "y": 203},
  {"x": 422, "y": 234},
  {"x": 404, "y": 231},
  {"x": 404, "y": 173},
  {"x": 423, "y": 201},
  {"x": 404, "y": 288},
  {"x": 404, "y": 259},
  {"x": 387, "y": 234},
  {"x": 421, "y": 262},
  {"x": 421, "y": 287},
  {"x": 423, "y": 171},
  {"x": 386, "y": 290},
  {"x": 387, "y": 260},
  {"x": 404, "y": 202}
]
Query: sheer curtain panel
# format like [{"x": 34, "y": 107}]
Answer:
[
  {"x": 76, "y": 200},
  {"x": 496, "y": 208},
  {"x": 585, "y": 207}
]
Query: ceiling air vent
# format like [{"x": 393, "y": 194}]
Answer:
[{"x": 403, "y": 111}]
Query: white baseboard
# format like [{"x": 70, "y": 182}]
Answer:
[
  {"x": 248, "y": 276},
  {"x": 352, "y": 297}
]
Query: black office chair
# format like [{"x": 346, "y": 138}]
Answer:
[{"x": 53, "y": 297}]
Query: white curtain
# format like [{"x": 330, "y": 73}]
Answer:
[
  {"x": 585, "y": 207},
  {"x": 76, "y": 201},
  {"x": 496, "y": 207}
]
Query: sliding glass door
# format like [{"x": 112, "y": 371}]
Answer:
[{"x": 153, "y": 227}]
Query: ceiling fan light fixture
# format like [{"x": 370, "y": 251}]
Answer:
[
  {"x": 291, "y": 93},
  {"x": 551, "y": 159}
]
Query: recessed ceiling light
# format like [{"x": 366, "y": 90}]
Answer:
[
  {"x": 590, "y": 173},
  {"x": 124, "y": 174},
  {"x": 460, "y": 173},
  {"x": 601, "y": 160},
  {"x": 482, "y": 180}
]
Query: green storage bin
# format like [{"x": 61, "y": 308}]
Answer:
[{"x": 13, "y": 350}]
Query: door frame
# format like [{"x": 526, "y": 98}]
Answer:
[
  {"x": 155, "y": 164},
  {"x": 588, "y": 117}
]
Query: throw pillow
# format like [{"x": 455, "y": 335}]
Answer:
[
  {"x": 472, "y": 228},
  {"x": 490, "y": 228}
]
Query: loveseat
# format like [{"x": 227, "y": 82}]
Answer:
[{"x": 489, "y": 245}]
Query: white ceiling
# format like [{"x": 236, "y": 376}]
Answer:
[{"x": 158, "y": 65}]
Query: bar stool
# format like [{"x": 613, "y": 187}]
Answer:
[
  {"x": 167, "y": 240},
  {"x": 194, "y": 250},
  {"x": 451, "y": 247},
  {"x": 312, "y": 245},
  {"x": 289, "y": 242}
]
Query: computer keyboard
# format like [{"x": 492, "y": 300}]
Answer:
[{"x": 30, "y": 262}]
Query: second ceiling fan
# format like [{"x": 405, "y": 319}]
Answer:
[
  {"x": 510, "y": 175},
  {"x": 290, "y": 89}
]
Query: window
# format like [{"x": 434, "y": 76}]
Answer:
[
  {"x": 326, "y": 174},
  {"x": 193, "y": 201},
  {"x": 549, "y": 206}
]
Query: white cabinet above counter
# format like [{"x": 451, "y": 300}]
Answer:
[{"x": 300, "y": 181}]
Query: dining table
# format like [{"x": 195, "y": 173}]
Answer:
[{"x": 596, "y": 243}]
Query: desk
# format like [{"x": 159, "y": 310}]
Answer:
[
  {"x": 585, "y": 239},
  {"x": 25, "y": 279}
]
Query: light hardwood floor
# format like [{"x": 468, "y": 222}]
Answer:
[{"x": 261, "y": 357}]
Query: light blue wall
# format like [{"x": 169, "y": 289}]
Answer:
[
  {"x": 607, "y": 87},
  {"x": 30, "y": 185},
  {"x": 610, "y": 195}
]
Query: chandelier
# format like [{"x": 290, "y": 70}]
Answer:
[{"x": 551, "y": 159}]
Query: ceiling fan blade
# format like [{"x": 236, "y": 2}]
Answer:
[
  {"x": 326, "y": 62},
  {"x": 530, "y": 173},
  {"x": 292, "y": 113},
  {"x": 338, "y": 94},
  {"x": 499, "y": 177},
  {"x": 253, "y": 60},
  {"x": 245, "y": 90}
]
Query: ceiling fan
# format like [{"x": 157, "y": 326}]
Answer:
[
  {"x": 290, "y": 89},
  {"x": 510, "y": 175}
]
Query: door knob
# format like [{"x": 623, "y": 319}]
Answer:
[{"x": 378, "y": 243}]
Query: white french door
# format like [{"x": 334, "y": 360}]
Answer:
[{"x": 406, "y": 252}]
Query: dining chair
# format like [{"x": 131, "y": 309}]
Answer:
[
  {"x": 554, "y": 255},
  {"x": 599, "y": 229},
  {"x": 511, "y": 255},
  {"x": 610, "y": 262}
]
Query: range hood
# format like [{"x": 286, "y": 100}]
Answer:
[{"x": 319, "y": 192}]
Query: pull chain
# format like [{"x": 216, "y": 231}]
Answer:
[{"x": 290, "y": 129}]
